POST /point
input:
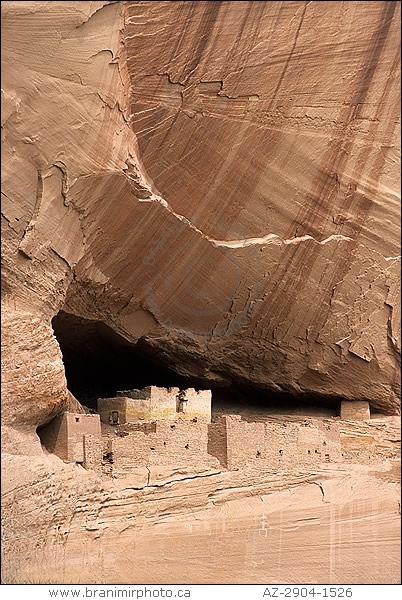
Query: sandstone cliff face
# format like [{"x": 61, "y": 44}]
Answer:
[
  {"x": 331, "y": 526},
  {"x": 220, "y": 180},
  {"x": 217, "y": 179}
]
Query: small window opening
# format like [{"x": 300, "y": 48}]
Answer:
[
  {"x": 180, "y": 401},
  {"x": 114, "y": 417},
  {"x": 108, "y": 457}
]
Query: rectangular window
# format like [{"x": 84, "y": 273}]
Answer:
[{"x": 114, "y": 417}]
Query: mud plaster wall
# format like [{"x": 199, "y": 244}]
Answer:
[
  {"x": 197, "y": 404},
  {"x": 105, "y": 406},
  {"x": 64, "y": 436},
  {"x": 182, "y": 444},
  {"x": 154, "y": 403},
  {"x": 162, "y": 404},
  {"x": 356, "y": 411}
]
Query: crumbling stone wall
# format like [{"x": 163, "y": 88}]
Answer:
[
  {"x": 156, "y": 403},
  {"x": 195, "y": 404},
  {"x": 267, "y": 445},
  {"x": 93, "y": 451},
  {"x": 217, "y": 441},
  {"x": 183, "y": 444}
]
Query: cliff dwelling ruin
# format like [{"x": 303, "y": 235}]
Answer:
[
  {"x": 200, "y": 281},
  {"x": 166, "y": 426},
  {"x": 98, "y": 362},
  {"x": 123, "y": 430}
]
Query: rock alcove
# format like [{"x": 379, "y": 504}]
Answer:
[{"x": 99, "y": 362}]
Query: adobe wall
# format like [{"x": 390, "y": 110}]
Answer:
[
  {"x": 149, "y": 406},
  {"x": 157, "y": 404},
  {"x": 163, "y": 403},
  {"x": 137, "y": 410},
  {"x": 64, "y": 435},
  {"x": 105, "y": 406},
  {"x": 267, "y": 445},
  {"x": 79, "y": 425},
  {"x": 182, "y": 444}
]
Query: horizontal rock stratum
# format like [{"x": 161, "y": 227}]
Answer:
[{"x": 219, "y": 184}]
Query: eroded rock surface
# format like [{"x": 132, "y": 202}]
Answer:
[
  {"x": 218, "y": 180},
  {"x": 329, "y": 523}
]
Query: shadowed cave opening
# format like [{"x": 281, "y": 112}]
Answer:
[{"x": 99, "y": 362}]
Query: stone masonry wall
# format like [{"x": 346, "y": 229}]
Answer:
[
  {"x": 163, "y": 403},
  {"x": 143, "y": 394},
  {"x": 105, "y": 406},
  {"x": 64, "y": 435},
  {"x": 266, "y": 445},
  {"x": 183, "y": 444},
  {"x": 93, "y": 450},
  {"x": 77, "y": 427},
  {"x": 157, "y": 404},
  {"x": 217, "y": 441}
]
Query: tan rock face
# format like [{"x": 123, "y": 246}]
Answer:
[
  {"x": 325, "y": 524},
  {"x": 219, "y": 181}
]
